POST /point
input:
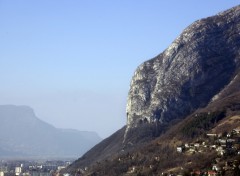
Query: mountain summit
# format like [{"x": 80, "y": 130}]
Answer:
[{"x": 22, "y": 134}]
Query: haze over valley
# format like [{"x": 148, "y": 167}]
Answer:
[
  {"x": 22, "y": 134},
  {"x": 105, "y": 88}
]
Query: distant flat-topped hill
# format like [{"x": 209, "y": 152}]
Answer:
[{"x": 22, "y": 134}]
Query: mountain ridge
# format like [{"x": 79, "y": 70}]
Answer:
[{"x": 24, "y": 134}]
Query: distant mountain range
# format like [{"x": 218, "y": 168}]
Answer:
[{"x": 22, "y": 134}]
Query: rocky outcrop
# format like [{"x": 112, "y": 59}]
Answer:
[{"x": 187, "y": 75}]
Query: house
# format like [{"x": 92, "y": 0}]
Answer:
[
  {"x": 191, "y": 150},
  {"x": 236, "y": 131},
  {"x": 157, "y": 158},
  {"x": 213, "y": 146},
  {"x": 131, "y": 169},
  {"x": 196, "y": 173},
  {"x": 18, "y": 170},
  {"x": 231, "y": 140},
  {"x": 212, "y": 173},
  {"x": 60, "y": 168},
  {"x": 220, "y": 150},
  {"x": 212, "y": 135},
  {"x": 222, "y": 141},
  {"x": 180, "y": 149},
  {"x": 66, "y": 174},
  {"x": 224, "y": 146},
  {"x": 197, "y": 145},
  {"x": 216, "y": 167}
]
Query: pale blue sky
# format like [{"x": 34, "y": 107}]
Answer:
[{"x": 72, "y": 60}]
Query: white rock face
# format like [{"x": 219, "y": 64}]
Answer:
[{"x": 186, "y": 76}]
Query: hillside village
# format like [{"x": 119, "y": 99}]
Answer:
[
  {"x": 222, "y": 150},
  {"x": 225, "y": 145}
]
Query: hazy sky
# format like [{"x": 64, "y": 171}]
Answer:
[{"x": 72, "y": 60}]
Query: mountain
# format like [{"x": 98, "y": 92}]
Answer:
[
  {"x": 190, "y": 89},
  {"x": 22, "y": 134},
  {"x": 186, "y": 76}
]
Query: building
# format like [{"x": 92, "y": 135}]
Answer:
[
  {"x": 180, "y": 149},
  {"x": 18, "y": 170}
]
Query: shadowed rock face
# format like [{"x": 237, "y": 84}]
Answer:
[{"x": 187, "y": 75}]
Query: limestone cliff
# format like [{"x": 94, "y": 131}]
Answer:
[
  {"x": 198, "y": 73},
  {"x": 186, "y": 76}
]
